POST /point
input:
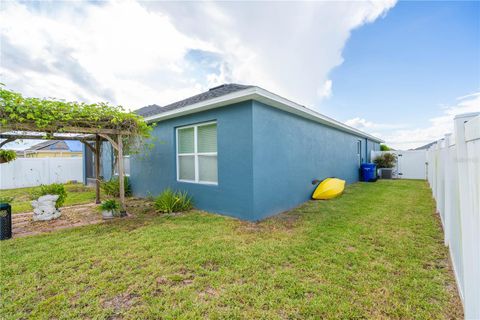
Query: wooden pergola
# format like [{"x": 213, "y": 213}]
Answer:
[{"x": 91, "y": 137}]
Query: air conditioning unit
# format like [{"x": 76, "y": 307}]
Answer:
[{"x": 386, "y": 173}]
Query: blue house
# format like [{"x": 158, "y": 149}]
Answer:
[{"x": 245, "y": 152}]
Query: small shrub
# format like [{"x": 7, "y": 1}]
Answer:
[
  {"x": 386, "y": 160},
  {"x": 7, "y": 156},
  {"x": 112, "y": 187},
  {"x": 55, "y": 189},
  {"x": 6, "y": 199},
  {"x": 169, "y": 201},
  {"x": 110, "y": 205}
]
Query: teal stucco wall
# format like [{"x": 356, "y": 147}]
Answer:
[
  {"x": 155, "y": 171},
  {"x": 267, "y": 159},
  {"x": 289, "y": 152}
]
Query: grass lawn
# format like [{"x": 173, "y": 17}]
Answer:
[
  {"x": 375, "y": 252},
  {"x": 77, "y": 193}
]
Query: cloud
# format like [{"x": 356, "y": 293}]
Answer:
[
  {"x": 285, "y": 47},
  {"x": 406, "y": 138},
  {"x": 118, "y": 51},
  {"x": 363, "y": 124},
  {"x": 326, "y": 90},
  {"x": 139, "y": 53}
]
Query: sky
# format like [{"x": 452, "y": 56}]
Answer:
[{"x": 398, "y": 70}]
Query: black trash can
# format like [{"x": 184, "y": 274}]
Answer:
[{"x": 5, "y": 221}]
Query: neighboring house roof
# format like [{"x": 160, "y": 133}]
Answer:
[
  {"x": 232, "y": 93},
  {"x": 57, "y": 145},
  {"x": 74, "y": 145},
  {"x": 149, "y": 110},
  {"x": 49, "y": 145},
  {"x": 428, "y": 145},
  {"x": 425, "y": 147}
]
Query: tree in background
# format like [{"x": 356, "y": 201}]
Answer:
[{"x": 384, "y": 147}]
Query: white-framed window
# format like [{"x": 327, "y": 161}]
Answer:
[{"x": 197, "y": 153}]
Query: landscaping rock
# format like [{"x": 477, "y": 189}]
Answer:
[{"x": 44, "y": 208}]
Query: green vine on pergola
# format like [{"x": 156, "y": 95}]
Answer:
[
  {"x": 18, "y": 113},
  {"x": 126, "y": 131}
]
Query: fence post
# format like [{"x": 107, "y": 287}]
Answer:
[
  {"x": 470, "y": 241},
  {"x": 441, "y": 180},
  {"x": 448, "y": 173}
]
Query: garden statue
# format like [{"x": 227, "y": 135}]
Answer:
[{"x": 44, "y": 208}]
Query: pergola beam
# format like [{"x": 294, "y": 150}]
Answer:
[
  {"x": 92, "y": 148},
  {"x": 11, "y": 139},
  {"x": 97, "y": 135},
  {"x": 109, "y": 139},
  {"x": 20, "y": 136},
  {"x": 121, "y": 174},
  {"x": 59, "y": 129},
  {"x": 97, "y": 169}
]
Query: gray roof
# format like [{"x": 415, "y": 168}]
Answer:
[
  {"x": 49, "y": 145},
  {"x": 149, "y": 110},
  {"x": 215, "y": 92}
]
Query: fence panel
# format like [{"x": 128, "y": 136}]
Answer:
[
  {"x": 30, "y": 172},
  {"x": 411, "y": 164},
  {"x": 454, "y": 177}
]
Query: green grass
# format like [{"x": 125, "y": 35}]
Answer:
[
  {"x": 375, "y": 252},
  {"x": 76, "y": 194}
]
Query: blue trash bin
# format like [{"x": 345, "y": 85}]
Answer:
[{"x": 368, "y": 172}]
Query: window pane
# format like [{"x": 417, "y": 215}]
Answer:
[
  {"x": 207, "y": 168},
  {"x": 207, "y": 138},
  {"x": 185, "y": 140},
  {"x": 186, "y": 167}
]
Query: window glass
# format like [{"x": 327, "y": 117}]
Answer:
[
  {"x": 186, "y": 140},
  {"x": 207, "y": 168},
  {"x": 197, "y": 153},
  {"x": 186, "y": 166},
  {"x": 207, "y": 138}
]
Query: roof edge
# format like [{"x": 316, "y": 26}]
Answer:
[{"x": 264, "y": 96}]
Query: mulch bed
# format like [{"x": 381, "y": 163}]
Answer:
[{"x": 74, "y": 216}]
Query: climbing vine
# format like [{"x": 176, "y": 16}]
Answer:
[
  {"x": 7, "y": 156},
  {"x": 53, "y": 115}
]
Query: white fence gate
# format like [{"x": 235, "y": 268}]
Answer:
[
  {"x": 454, "y": 176},
  {"x": 30, "y": 172},
  {"x": 411, "y": 164}
]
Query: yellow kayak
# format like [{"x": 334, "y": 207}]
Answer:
[{"x": 329, "y": 189}]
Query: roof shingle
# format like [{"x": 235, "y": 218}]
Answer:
[{"x": 215, "y": 92}]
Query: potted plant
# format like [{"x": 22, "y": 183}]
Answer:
[
  {"x": 385, "y": 163},
  {"x": 109, "y": 209}
]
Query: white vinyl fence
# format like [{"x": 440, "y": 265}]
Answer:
[
  {"x": 411, "y": 164},
  {"x": 454, "y": 176},
  {"x": 30, "y": 172}
]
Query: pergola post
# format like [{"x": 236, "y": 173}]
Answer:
[
  {"x": 121, "y": 174},
  {"x": 97, "y": 169}
]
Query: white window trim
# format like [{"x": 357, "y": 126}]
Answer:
[{"x": 195, "y": 154}]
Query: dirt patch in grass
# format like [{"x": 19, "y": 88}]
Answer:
[{"x": 120, "y": 302}]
